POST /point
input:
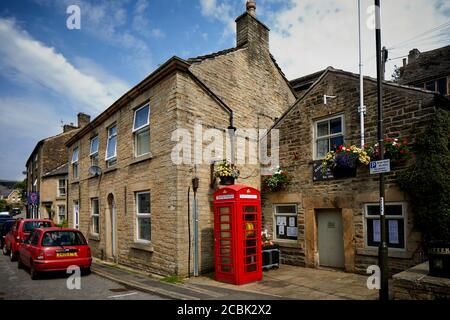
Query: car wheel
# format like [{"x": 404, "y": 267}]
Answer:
[
  {"x": 33, "y": 273},
  {"x": 5, "y": 250},
  {"x": 86, "y": 271},
  {"x": 19, "y": 263},
  {"x": 12, "y": 256}
]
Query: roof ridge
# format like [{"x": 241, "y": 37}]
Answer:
[{"x": 215, "y": 54}]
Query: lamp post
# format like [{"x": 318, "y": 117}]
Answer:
[{"x": 383, "y": 248}]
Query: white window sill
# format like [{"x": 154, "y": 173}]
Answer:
[{"x": 143, "y": 246}]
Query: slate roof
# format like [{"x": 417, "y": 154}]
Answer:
[
  {"x": 429, "y": 65},
  {"x": 59, "y": 171},
  {"x": 5, "y": 191}
]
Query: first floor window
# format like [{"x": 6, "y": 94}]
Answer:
[
  {"x": 95, "y": 216},
  {"x": 395, "y": 225},
  {"x": 143, "y": 216},
  {"x": 111, "y": 146},
  {"x": 76, "y": 214},
  {"x": 94, "y": 151},
  {"x": 61, "y": 187},
  {"x": 285, "y": 222},
  {"x": 75, "y": 155},
  {"x": 61, "y": 214},
  {"x": 329, "y": 135},
  {"x": 141, "y": 130}
]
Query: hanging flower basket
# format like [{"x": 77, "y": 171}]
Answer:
[
  {"x": 344, "y": 162},
  {"x": 278, "y": 181},
  {"x": 395, "y": 150},
  {"x": 227, "y": 173}
]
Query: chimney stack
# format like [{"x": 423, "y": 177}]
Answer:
[
  {"x": 83, "y": 120},
  {"x": 413, "y": 55},
  {"x": 250, "y": 31},
  {"x": 68, "y": 127}
]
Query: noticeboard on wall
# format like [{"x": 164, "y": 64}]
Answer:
[{"x": 319, "y": 174}]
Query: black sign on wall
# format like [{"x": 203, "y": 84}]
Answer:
[{"x": 318, "y": 174}]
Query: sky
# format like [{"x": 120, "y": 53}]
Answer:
[{"x": 49, "y": 73}]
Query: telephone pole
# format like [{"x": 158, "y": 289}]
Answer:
[{"x": 383, "y": 248}]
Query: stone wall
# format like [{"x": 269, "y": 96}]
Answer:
[{"x": 407, "y": 113}]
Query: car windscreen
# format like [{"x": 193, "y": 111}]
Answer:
[
  {"x": 63, "y": 238},
  {"x": 31, "y": 225}
]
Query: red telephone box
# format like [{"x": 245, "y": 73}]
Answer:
[{"x": 237, "y": 234}]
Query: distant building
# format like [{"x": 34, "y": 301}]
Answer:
[
  {"x": 53, "y": 195},
  {"x": 12, "y": 196},
  {"x": 429, "y": 70},
  {"x": 48, "y": 155}
]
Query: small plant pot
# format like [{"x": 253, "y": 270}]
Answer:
[
  {"x": 226, "y": 181},
  {"x": 439, "y": 258},
  {"x": 344, "y": 172}
]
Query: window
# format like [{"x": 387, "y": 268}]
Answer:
[
  {"x": 143, "y": 216},
  {"x": 61, "y": 214},
  {"x": 61, "y": 187},
  {"x": 141, "y": 130},
  {"x": 442, "y": 86},
  {"x": 63, "y": 239},
  {"x": 285, "y": 221},
  {"x": 76, "y": 215},
  {"x": 395, "y": 225},
  {"x": 94, "y": 151},
  {"x": 111, "y": 146},
  {"x": 329, "y": 135},
  {"x": 95, "y": 216},
  {"x": 75, "y": 162}
]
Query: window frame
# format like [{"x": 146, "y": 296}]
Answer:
[
  {"x": 114, "y": 157},
  {"x": 275, "y": 215},
  {"x": 94, "y": 155},
  {"x": 148, "y": 117},
  {"x": 140, "y": 215},
  {"x": 59, "y": 188},
  {"x": 329, "y": 136},
  {"x": 137, "y": 131},
  {"x": 75, "y": 165},
  {"x": 95, "y": 215},
  {"x": 388, "y": 217},
  {"x": 59, "y": 213}
]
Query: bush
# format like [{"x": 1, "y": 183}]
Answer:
[{"x": 427, "y": 181}]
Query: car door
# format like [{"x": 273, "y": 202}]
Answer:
[{"x": 26, "y": 249}]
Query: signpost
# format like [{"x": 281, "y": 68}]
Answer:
[{"x": 382, "y": 166}]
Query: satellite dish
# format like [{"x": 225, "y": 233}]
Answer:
[{"x": 95, "y": 170}]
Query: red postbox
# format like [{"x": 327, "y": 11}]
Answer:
[{"x": 237, "y": 234}]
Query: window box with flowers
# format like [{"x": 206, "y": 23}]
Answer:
[
  {"x": 394, "y": 149},
  {"x": 278, "y": 181},
  {"x": 344, "y": 162},
  {"x": 227, "y": 173}
]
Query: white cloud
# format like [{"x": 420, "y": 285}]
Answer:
[
  {"x": 223, "y": 11},
  {"x": 42, "y": 65},
  {"x": 310, "y": 35}
]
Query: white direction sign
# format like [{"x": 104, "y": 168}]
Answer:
[{"x": 382, "y": 166}]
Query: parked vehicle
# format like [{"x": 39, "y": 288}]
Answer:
[
  {"x": 4, "y": 213},
  {"x": 3, "y": 219},
  {"x": 54, "y": 249},
  {"x": 19, "y": 232},
  {"x": 15, "y": 212},
  {"x": 4, "y": 229}
]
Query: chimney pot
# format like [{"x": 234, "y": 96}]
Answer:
[
  {"x": 413, "y": 55},
  {"x": 404, "y": 62},
  {"x": 251, "y": 7}
]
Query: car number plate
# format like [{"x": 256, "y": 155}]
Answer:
[{"x": 67, "y": 254}]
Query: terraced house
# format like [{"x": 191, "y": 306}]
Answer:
[
  {"x": 126, "y": 193},
  {"x": 322, "y": 221}
]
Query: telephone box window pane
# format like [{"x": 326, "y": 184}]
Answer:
[
  {"x": 225, "y": 243},
  {"x": 250, "y": 251},
  {"x": 225, "y": 251},
  {"x": 250, "y": 230},
  {"x": 226, "y": 260},
  {"x": 226, "y": 268},
  {"x": 250, "y": 268},
  {"x": 250, "y": 217},
  {"x": 250, "y": 209},
  {"x": 250, "y": 260},
  {"x": 224, "y": 218},
  {"x": 225, "y": 226},
  {"x": 226, "y": 235},
  {"x": 224, "y": 210},
  {"x": 250, "y": 243}
]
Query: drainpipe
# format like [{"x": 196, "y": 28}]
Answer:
[
  {"x": 195, "y": 185},
  {"x": 362, "y": 107}
]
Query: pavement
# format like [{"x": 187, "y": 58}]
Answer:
[{"x": 287, "y": 282}]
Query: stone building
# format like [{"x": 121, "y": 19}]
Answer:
[
  {"x": 12, "y": 196},
  {"x": 48, "y": 154},
  {"x": 429, "y": 70},
  {"x": 321, "y": 221},
  {"x": 53, "y": 195},
  {"x": 125, "y": 191}
]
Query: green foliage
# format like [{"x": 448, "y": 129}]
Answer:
[
  {"x": 4, "y": 206},
  {"x": 427, "y": 181},
  {"x": 173, "y": 279},
  {"x": 64, "y": 224},
  {"x": 278, "y": 181},
  {"x": 395, "y": 77}
]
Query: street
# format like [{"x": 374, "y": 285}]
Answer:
[{"x": 16, "y": 284}]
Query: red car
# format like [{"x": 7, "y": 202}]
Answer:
[
  {"x": 54, "y": 249},
  {"x": 20, "y": 231}
]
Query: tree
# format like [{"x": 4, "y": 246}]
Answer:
[
  {"x": 4, "y": 206},
  {"x": 395, "y": 77}
]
